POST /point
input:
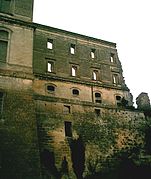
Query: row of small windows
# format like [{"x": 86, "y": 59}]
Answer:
[
  {"x": 76, "y": 92},
  {"x": 74, "y": 73},
  {"x": 73, "y": 50},
  {"x": 97, "y": 95},
  {"x": 95, "y": 75},
  {"x": 4, "y": 38},
  {"x": 51, "y": 88}
]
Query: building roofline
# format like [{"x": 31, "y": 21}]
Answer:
[
  {"x": 53, "y": 29},
  {"x": 45, "y": 27}
]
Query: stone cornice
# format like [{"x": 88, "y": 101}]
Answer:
[
  {"x": 16, "y": 74},
  {"x": 16, "y": 21},
  {"x": 83, "y": 82},
  {"x": 83, "y": 103}
]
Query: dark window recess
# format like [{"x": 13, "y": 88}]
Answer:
[
  {"x": 97, "y": 95},
  {"x": 98, "y": 101},
  {"x": 1, "y": 102},
  {"x": 50, "y": 88},
  {"x": 92, "y": 53},
  {"x": 118, "y": 101},
  {"x": 98, "y": 98},
  {"x": 75, "y": 92},
  {"x": 3, "y": 45},
  {"x": 3, "y": 34},
  {"x": 97, "y": 112},
  {"x": 66, "y": 109},
  {"x": 3, "y": 51},
  {"x": 118, "y": 98},
  {"x": 68, "y": 129},
  {"x": 50, "y": 44},
  {"x": 72, "y": 48}
]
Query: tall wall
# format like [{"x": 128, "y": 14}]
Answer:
[
  {"x": 62, "y": 57},
  {"x": 64, "y": 106},
  {"x": 105, "y": 64},
  {"x": 19, "y": 149},
  {"x": 78, "y": 114},
  {"x": 97, "y": 137}
]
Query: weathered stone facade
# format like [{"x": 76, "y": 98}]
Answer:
[{"x": 65, "y": 108}]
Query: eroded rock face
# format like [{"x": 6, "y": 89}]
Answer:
[{"x": 143, "y": 101}]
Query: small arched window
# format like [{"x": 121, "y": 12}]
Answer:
[
  {"x": 50, "y": 88},
  {"x": 118, "y": 98},
  {"x": 98, "y": 97},
  {"x": 75, "y": 92},
  {"x": 4, "y": 38}
]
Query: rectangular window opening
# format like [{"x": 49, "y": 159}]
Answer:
[
  {"x": 92, "y": 53},
  {"x": 68, "y": 128},
  {"x": 98, "y": 101},
  {"x": 72, "y": 49},
  {"x": 94, "y": 75},
  {"x": 50, "y": 44},
  {"x": 66, "y": 109},
  {"x": 97, "y": 112},
  {"x": 116, "y": 79},
  {"x": 74, "y": 71},
  {"x": 50, "y": 67},
  {"x": 119, "y": 100},
  {"x": 112, "y": 58}
]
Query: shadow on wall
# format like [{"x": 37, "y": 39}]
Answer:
[
  {"x": 77, "y": 148},
  {"x": 48, "y": 160}
]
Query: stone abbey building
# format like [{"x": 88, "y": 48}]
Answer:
[{"x": 64, "y": 106}]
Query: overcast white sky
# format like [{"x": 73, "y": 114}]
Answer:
[{"x": 125, "y": 22}]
